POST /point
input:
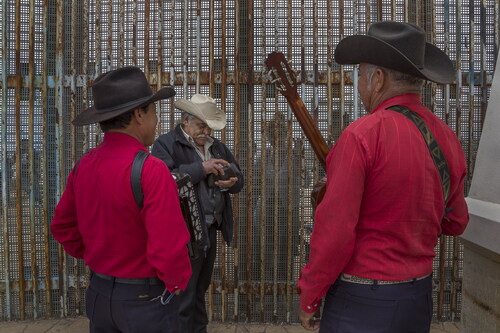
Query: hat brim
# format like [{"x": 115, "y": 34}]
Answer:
[
  {"x": 368, "y": 49},
  {"x": 194, "y": 109},
  {"x": 90, "y": 115}
]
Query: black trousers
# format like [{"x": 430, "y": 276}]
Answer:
[
  {"x": 362, "y": 308},
  {"x": 118, "y": 307},
  {"x": 192, "y": 310}
]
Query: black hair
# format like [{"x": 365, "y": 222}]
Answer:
[{"x": 119, "y": 122}]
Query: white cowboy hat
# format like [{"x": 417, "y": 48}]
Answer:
[{"x": 204, "y": 108}]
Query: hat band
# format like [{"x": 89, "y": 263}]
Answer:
[{"x": 124, "y": 105}]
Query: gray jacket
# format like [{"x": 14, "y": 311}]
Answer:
[{"x": 179, "y": 155}]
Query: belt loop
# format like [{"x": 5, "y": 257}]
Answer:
[{"x": 375, "y": 285}]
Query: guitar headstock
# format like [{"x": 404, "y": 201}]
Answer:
[{"x": 284, "y": 76}]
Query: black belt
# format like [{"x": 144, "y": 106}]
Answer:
[{"x": 152, "y": 280}]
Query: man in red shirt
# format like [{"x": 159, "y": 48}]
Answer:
[
  {"x": 375, "y": 231},
  {"x": 138, "y": 256}
]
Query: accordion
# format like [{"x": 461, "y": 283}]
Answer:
[{"x": 191, "y": 213}]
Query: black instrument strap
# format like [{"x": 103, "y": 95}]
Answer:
[
  {"x": 434, "y": 148},
  {"x": 135, "y": 176}
]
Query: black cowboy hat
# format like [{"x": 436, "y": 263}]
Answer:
[
  {"x": 398, "y": 46},
  {"x": 117, "y": 92}
]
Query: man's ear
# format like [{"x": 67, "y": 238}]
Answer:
[
  {"x": 380, "y": 79},
  {"x": 138, "y": 115}
]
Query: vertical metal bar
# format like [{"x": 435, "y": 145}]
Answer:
[
  {"x": 472, "y": 86},
  {"x": 19, "y": 201},
  {"x": 109, "y": 50},
  {"x": 5, "y": 195},
  {"x": 237, "y": 97},
  {"x": 185, "y": 49},
  {"x": 198, "y": 45},
  {"x": 484, "y": 86},
  {"x": 446, "y": 50},
  {"x": 329, "y": 74},
  {"x": 73, "y": 131},
  {"x": 497, "y": 31},
  {"x": 250, "y": 148},
  {"x": 433, "y": 40},
  {"x": 159, "y": 63},
  {"x": 441, "y": 274},
  {"x": 60, "y": 156},
  {"x": 275, "y": 184},
  {"x": 458, "y": 41},
  {"x": 31, "y": 172},
  {"x": 379, "y": 10},
  {"x": 406, "y": 10},
  {"x": 356, "y": 68},
  {"x": 289, "y": 178},
  {"x": 98, "y": 46},
  {"x": 223, "y": 108},
  {"x": 342, "y": 69},
  {"x": 46, "y": 232},
  {"x": 121, "y": 60},
  {"x": 85, "y": 59},
  {"x": 172, "y": 60},
  {"x": 368, "y": 13},
  {"x": 418, "y": 14},
  {"x": 275, "y": 213},
  {"x": 393, "y": 10},
  {"x": 262, "y": 166},
  {"x": 134, "y": 34},
  {"x": 455, "y": 280},
  {"x": 147, "y": 20}
]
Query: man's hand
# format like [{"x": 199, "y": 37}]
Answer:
[
  {"x": 214, "y": 165},
  {"x": 227, "y": 183},
  {"x": 310, "y": 321}
]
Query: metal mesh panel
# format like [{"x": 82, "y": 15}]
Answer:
[{"x": 54, "y": 49}]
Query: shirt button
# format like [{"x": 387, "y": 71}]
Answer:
[{"x": 309, "y": 307}]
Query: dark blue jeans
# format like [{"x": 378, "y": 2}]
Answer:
[
  {"x": 118, "y": 307},
  {"x": 362, "y": 308}
]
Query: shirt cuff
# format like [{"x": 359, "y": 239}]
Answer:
[{"x": 311, "y": 308}]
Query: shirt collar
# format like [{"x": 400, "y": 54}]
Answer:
[
  {"x": 122, "y": 138},
  {"x": 405, "y": 99}
]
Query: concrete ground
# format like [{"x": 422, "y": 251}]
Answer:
[{"x": 80, "y": 325}]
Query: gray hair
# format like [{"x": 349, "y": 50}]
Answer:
[
  {"x": 189, "y": 116},
  {"x": 404, "y": 79}
]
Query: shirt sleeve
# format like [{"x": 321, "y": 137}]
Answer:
[
  {"x": 333, "y": 237},
  {"x": 457, "y": 213},
  {"x": 165, "y": 226},
  {"x": 64, "y": 226}
]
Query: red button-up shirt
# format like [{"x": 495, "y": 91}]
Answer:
[
  {"x": 383, "y": 208},
  {"x": 97, "y": 218}
]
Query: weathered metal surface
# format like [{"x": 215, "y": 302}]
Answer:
[{"x": 49, "y": 60}]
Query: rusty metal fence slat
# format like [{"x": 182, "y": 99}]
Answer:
[{"x": 51, "y": 50}]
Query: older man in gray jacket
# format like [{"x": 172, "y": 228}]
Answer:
[{"x": 215, "y": 174}]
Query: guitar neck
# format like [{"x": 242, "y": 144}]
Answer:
[{"x": 310, "y": 130}]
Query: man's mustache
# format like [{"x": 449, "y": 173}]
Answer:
[{"x": 202, "y": 136}]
